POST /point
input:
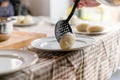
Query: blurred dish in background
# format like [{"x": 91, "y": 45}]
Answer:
[
  {"x": 73, "y": 20},
  {"x": 87, "y": 29},
  {"x": 82, "y": 27},
  {"x": 101, "y": 13},
  {"x": 25, "y": 21},
  {"x": 6, "y": 29},
  {"x": 95, "y": 28},
  {"x": 92, "y": 14}
]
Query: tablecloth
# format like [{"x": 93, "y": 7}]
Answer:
[{"x": 96, "y": 62}]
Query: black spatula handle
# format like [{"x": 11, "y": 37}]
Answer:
[{"x": 73, "y": 10}]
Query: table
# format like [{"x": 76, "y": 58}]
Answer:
[
  {"x": 43, "y": 26},
  {"x": 20, "y": 39},
  {"x": 96, "y": 62}
]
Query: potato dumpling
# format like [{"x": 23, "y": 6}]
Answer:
[
  {"x": 91, "y": 29},
  {"x": 67, "y": 41},
  {"x": 82, "y": 27},
  {"x": 20, "y": 19},
  {"x": 74, "y": 19},
  {"x": 28, "y": 20},
  {"x": 63, "y": 17}
]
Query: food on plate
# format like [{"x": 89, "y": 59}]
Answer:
[
  {"x": 82, "y": 27},
  {"x": 20, "y": 19},
  {"x": 28, "y": 19},
  {"x": 25, "y": 19},
  {"x": 63, "y": 17},
  {"x": 95, "y": 28},
  {"x": 67, "y": 41},
  {"x": 73, "y": 20}
]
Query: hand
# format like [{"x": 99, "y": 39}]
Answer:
[
  {"x": 87, "y": 3},
  {"x": 5, "y": 4}
]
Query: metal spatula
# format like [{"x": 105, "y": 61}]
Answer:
[{"x": 62, "y": 27}]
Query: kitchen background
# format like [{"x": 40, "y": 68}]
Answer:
[{"x": 58, "y": 8}]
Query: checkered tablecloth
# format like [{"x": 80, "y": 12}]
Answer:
[{"x": 96, "y": 62}]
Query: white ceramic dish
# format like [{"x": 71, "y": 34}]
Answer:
[
  {"x": 54, "y": 23},
  {"x": 106, "y": 30},
  {"x": 51, "y": 44},
  {"x": 24, "y": 25},
  {"x": 14, "y": 60}
]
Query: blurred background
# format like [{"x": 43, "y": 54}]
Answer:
[{"x": 58, "y": 8}]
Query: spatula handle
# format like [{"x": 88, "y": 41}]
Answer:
[{"x": 73, "y": 10}]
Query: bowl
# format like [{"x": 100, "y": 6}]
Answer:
[{"x": 6, "y": 29}]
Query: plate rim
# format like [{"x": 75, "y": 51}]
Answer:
[
  {"x": 106, "y": 30},
  {"x": 23, "y": 25},
  {"x": 23, "y": 67},
  {"x": 60, "y": 50},
  {"x": 93, "y": 33}
]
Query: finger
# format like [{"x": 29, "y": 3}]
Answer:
[
  {"x": 87, "y": 3},
  {"x": 80, "y": 6},
  {"x": 81, "y": 1},
  {"x": 91, "y": 4},
  {"x": 90, "y": 1}
]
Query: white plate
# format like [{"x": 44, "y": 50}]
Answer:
[
  {"x": 14, "y": 60},
  {"x": 51, "y": 44},
  {"x": 106, "y": 30},
  {"x": 24, "y": 25},
  {"x": 54, "y": 23}
]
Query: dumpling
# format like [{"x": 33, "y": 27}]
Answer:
[
  {"x": 28, "y": 20},
  {"x": 20, "y": 19},
  {"x": 63, "y": 17},
  {"x": 74, "y": 19},
  {"x": 91, "y": 29},
  {"x": 82, "y": 27},
  {"x": 67, "y": 41}
]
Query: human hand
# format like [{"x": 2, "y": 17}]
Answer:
[
  {"x": 5, "y": 4},
  {"x": 87, "y": 3}
]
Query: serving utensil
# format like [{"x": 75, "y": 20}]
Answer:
[{"x": 62, "y": 27}]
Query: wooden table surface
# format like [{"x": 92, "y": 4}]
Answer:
[{"x": 20, "y": 39}]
